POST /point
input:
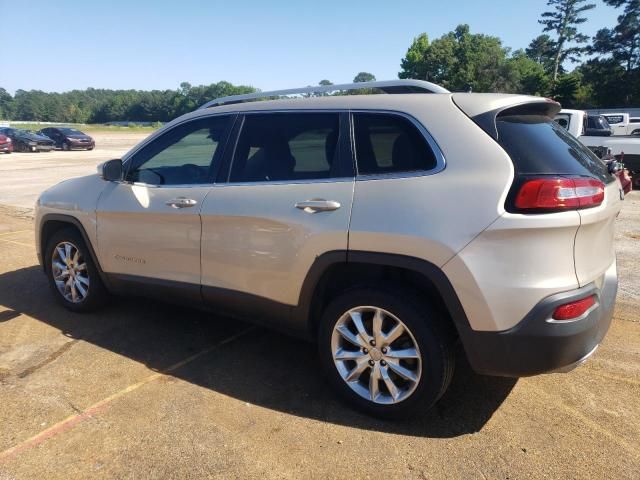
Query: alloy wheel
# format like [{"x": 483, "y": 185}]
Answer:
[
  {"x": 376, "y": 355},
  {"x": 70, "y": 273}
]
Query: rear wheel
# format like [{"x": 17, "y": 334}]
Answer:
[
  {"x": 73, "y": 277},
  {"x": 386, "y": 353}
]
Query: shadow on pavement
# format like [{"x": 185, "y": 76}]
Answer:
[{"x": 262, "y": 367}]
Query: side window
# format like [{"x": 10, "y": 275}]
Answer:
[
  {"x": 563, "y": 119},
  {"x": 387, "y": 143},
  {"x": 287, "y": 146},
  {"x": 182, "y": 155}
]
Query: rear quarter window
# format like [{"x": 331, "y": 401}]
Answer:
[
  {"x": 389, "y": 143},
  {"x": 539, "y": 146}
]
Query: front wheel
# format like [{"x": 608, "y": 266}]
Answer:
[
  {"x": 73, "y": 277},
  {"x": 385, "y": 352}
]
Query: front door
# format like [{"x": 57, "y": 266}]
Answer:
[{"x": 149, "y": 224}]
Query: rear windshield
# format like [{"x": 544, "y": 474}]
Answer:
[{"x": 539, "y": 146}]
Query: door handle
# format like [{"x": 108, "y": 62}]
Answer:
[
  {"x": 318, "y": 205},
  {"x": 181, "y": 202}
]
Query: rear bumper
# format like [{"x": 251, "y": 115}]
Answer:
[{"x": 536, "y": 345}]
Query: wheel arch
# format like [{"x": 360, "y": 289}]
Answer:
[
  {"x": 332, "y": 272},
  {"x": 54, "y": 222}
]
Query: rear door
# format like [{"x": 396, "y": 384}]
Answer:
[
  {"x": 285, "y": 200},
  {"x": 149, "y": 224}
]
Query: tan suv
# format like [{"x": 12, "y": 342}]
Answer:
[{"x": 384, "y": 227}]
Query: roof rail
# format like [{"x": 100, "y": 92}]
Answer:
[{"x": 387, "y": 86}]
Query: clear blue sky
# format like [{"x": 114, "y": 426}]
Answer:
[{"x": 60, "y": 45}]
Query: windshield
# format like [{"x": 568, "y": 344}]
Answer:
[{"x": 70, "y": 131}]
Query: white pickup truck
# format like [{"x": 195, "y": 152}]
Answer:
[
  {"x": 625, "y": 149},
  {"x": 623, "y": 123}
]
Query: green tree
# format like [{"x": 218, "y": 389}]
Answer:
[
  {"x": 460, "y": 60},
  {"x": 605, "y": 80},
  {"x": 6, "y": 104},
  {"x": 622, "y": 42},
  {"x": 413, "y": 64},
  {"x": 364, "y": 77},
  {"x": 542, "y": 50},
  {"x": 619, "y": 48},
  {"x": 566, "y": 89},
  {"x": 527, "y": 75},
  {"x": 563, "y": 21},
  {"x": 325, "y": 82}
]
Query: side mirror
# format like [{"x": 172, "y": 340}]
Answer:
[
  {"x": 597, "y": 132},
  {"x": 111, "y": 170}
]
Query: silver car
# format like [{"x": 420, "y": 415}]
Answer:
[{"x": 387, "y": 228}]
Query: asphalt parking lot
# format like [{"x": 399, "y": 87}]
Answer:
[{"x": 146, "y": 390}]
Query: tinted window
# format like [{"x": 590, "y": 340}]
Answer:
[
  {"x": 183, "y": 155},
  {"x": 291, "y": 146},
  {"x": 537, "y": 145},
  {"x": 598, "y": 121},
  {"x": 634, "y": 120},
  {"x": 389, "y": 143}
]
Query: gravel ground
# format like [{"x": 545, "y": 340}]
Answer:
[{"x": 146, "y": 390}]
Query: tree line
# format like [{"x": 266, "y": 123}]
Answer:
[{"x": 606, "y": 73}]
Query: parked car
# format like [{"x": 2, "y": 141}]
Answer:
[
  {"x": 360, "y": 222},
  {"x": 6, "y": 145},
  {"x": 68, "y": 138},
  {"x": 27, "y": 141},
  {"x": 625, "y": 149},
  {"x": 623, "y": 124}
]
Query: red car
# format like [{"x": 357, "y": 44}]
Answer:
[{"x": 6, "y": 145}]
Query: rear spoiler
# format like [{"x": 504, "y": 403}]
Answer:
[{"x": 484, "y": 108}]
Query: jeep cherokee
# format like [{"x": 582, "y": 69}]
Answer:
[{"x": 384, "y": 227}]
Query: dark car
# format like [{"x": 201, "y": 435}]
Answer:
[
  {"x": 6, "y": 145},
  {"x": 27, "y": 141},
  {"x": 68, "y": 138}
]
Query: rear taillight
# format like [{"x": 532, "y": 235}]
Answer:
[
  {"x": 573, "y": 310},
  {"x": 559, "y": 193}
]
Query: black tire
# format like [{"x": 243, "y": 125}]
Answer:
[
  {"x": 97, "y": 294},
  {"x": 432, "y": 335}
]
